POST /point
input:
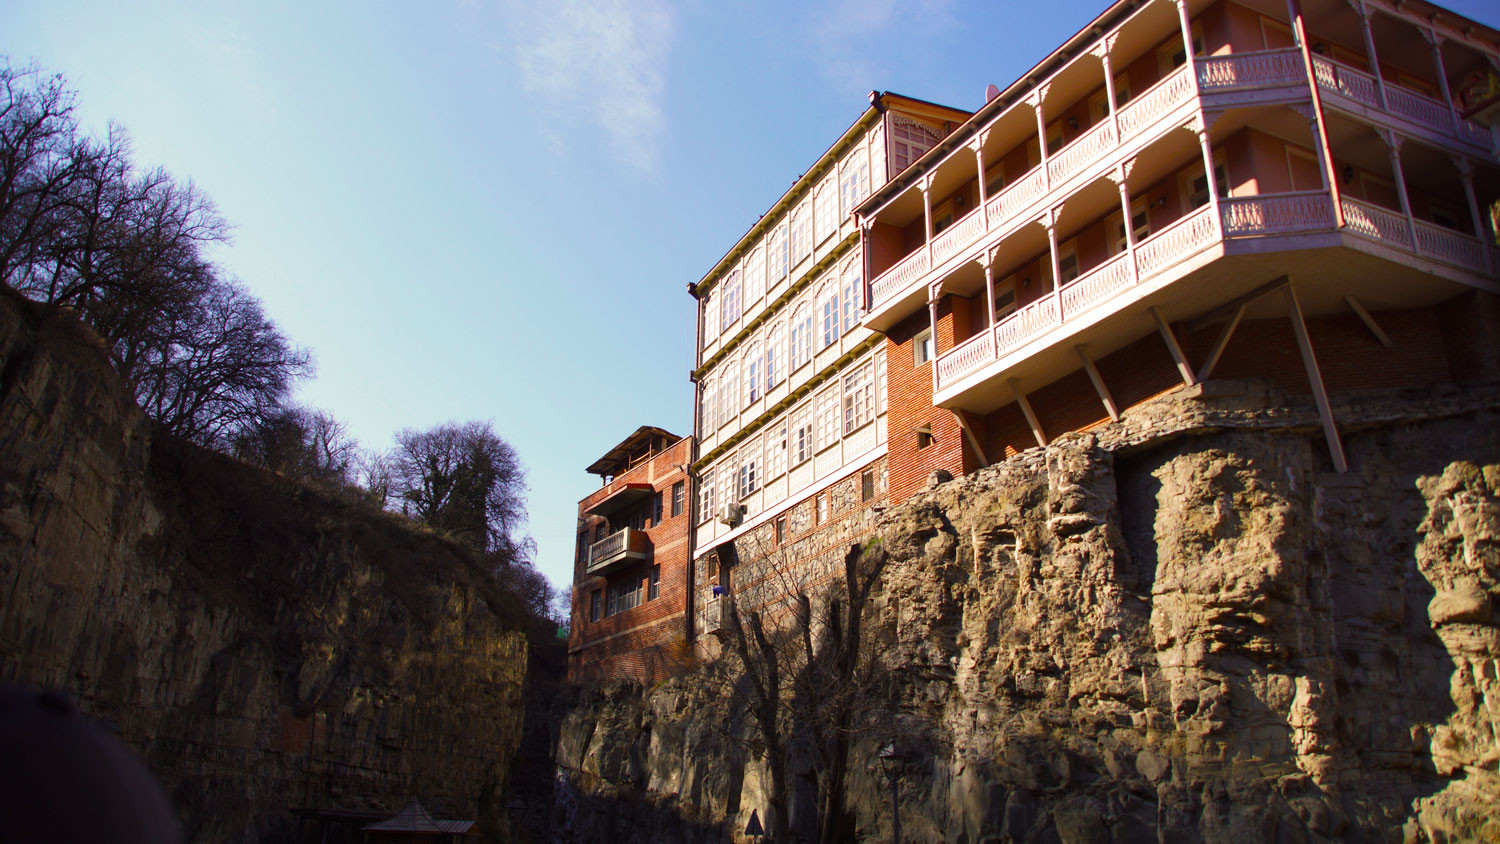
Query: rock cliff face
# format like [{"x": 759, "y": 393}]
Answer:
[
  {"x": 1180, "y": 627},
  {"x": 262, "y": 647}
]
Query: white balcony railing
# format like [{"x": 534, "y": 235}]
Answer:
[
  {"x": 1017, "y": 195},
  {"x": 1409, "y": 105},
  {"x": 1175, "y": 242},
  {"x": 1276, "y": 213},
  {"x": 895, "y": 279},
  {"x": 958, "y": 235},
  {"x": 1380, "y": 224},
  {"x": 1096, "y": 285},
  {"x": 1449, "y": 246},
  {"x": 1346, "y": 81},
  {"x": 1026, "y": 323},
  {"x": 1261, "y": 69},
  {"x": 1155, "y": 102},
  {"x": 623, "y": 544},
  {"x": 1083, "y": 151},
  {"x": 967, "y": 356}
]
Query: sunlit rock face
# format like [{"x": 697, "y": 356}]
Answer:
[
  {"x": 1185, "y": 626},
  {"x": 264, "y": 648}
]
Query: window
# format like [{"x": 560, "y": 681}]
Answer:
[
  {"x": 749, "y": 475},
  {"x": 909, "y": 140},
  {"x": 924, "y": 437},
  {"x": 781, "y": 531},
  {"x": 802, "y": 328},
  {"x": 849, "y": 296},
  {"x": 1067, "y": 262},
  {"x": 729, "y": 309},
  {"x": 867, "y": 485},
  {"x": 638, "y": 519},
  {"x": 776, "y": 257},
  {"x": 801, "y": 445},
  {"x": 828, "y": 302},
  {"x": 854, "y": 181},
  {"x": 710, "y": 317},
  {"x": 859, "y": 397},
  {"x": 820, "y": 511},
  {"x": 679, "y": 497},
  {"x": 1140, "y": 222},
  {"x": 921, "y": 348},
  {"x": 755, "y": 276},
  {"x": 709, "y": 420},
  {"x": 656, "y": 509},
  {"x": 775, "y": 368},
  {"x": 801, "y": 235},
  {"x": 775, "y": 450},
  {"x": 1171, "y": 55},
  {"x": 1195, "y": 186},
  {"x": 729, "y": 393},
  {"x": 653, "y": 591},
  {"x": 596, "y": 599},
  {"x": 825, "y": 211},
  {"x": 623, "y": 596},
  {"x": 828, "y": 417},
  {"x": 706, "y": 495},
  {"x": 753, "y": 382}
]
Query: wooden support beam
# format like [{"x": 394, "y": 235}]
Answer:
[
  {"x": 1315, "y": 378},
  {"x": 1213, "y": 357},
  {"x": 1099, "y": 386},
  {"x": 1176, "y": 350},
  {"x": 968, "y": 429},
  {"x": 1036, "y": 427},
  {"x": 1370, "y": 323}
]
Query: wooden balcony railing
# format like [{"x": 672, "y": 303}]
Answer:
[
  {"x": 1097, "y": 285},
  {"x": 626, "y": 544},
  {"x": 1155, "y": 102},
  {"x": 1276, "y": 213},
  {"x": 958, "y": 235},
  {"x": 1083, "y": 151},
  {"x": 896, "y": 279},
  {"x": 968, "y": 355},
  {"x": 1260, "y": 69}
]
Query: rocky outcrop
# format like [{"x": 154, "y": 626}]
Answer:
[
  {"x": 1181, "y": 627},
  {"x": 262, "y": 646}
]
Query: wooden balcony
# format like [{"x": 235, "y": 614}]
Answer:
[
  {"x": 618, "y": 549},
  {"x": 1255, "y": 234},
  {"x": 1215, "y": 84}
]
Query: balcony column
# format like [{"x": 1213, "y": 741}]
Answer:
[
  {"x": 988, "y": 263},
  {"x": 1035, "y": 99},
  {"x": 1436, "y": 42},
  {"x": 1119, "y": 178},
  {"x": 933, "y": 294},
  {"x": 1187, "y": 40},
  {"x": 1364, "y": 24},
  {"x": 1393, "y": 151},
  {"x": 926, "y": 185},
  {"x": 978, "y": 146},
  {"x": 1199, "y": 126},
  {"x": 1466, "y": 173},
  {"x": 1049, "y": 219},
  {"x": 1102, "y": 51}
]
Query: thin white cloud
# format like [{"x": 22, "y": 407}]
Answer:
[{"x": 595, "y": 65}]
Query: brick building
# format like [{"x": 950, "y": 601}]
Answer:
[
  {"x": 1183, "y": 190},
  {"x": 630, "y": 568}
]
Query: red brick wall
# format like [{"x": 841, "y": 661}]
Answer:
[
  {"x": 909, "y": 406},
  {"x": 634, "y": 643}
]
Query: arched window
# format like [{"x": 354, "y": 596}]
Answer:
[
  {"x": 755, "y": 275},
  {"x": 825, "y": 210},
  {"x": 854, "y": 181},
  {"x": 801, "y": 336},
  {"x": 707, "y": 419},
  {"x": 775, "y": 365},
  {"x": 729, "y": 391},
  {"x": 776, "y": 257},
  {"x": 730, "y": 307},
  {"x": 753, "y": 374},
  {"x": 801, "y": 236},
  {"x": 710, "y": 317},
  {"x": 828, "y": 305},
  {"x": 849, "y": 286}
]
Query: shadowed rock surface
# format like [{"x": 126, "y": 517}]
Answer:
[{"x": 261, "y": 645}]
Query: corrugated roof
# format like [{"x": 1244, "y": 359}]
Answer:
[{"x": 411, "y": 818}]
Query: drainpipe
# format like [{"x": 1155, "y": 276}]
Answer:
[
  {"x": 1294, "y": 9},
  {"x": 692, "y": 457}
]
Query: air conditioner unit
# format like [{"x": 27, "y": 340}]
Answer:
[{"x": 731, "y": 513}]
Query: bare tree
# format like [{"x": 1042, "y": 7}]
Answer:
[
  {"x": 466, "y": 480},
  {"x": 802, "y": 667},
  {"x": 304, "y": 444}
]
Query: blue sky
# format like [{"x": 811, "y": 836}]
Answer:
[{"x": 490, "y": 209}]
